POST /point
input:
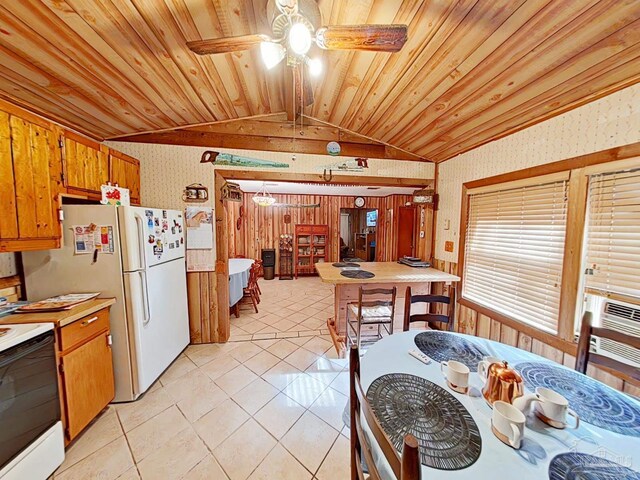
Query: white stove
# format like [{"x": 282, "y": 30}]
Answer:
[
  {"x": 18, "y": 333},
  {"x": 31, "y": 438}
]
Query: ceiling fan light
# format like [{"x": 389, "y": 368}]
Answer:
[
  {"x": 315, "y": 66},
  {"x": 299, "y": 38},
  {"x": 272, "y": 54}
]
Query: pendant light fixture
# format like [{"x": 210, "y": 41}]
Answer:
[{"x": 263, "y": 198}]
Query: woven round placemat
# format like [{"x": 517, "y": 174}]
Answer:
[
  {"x": 594, "y": 402},
  {"x": 345, "y": 264},
  {"x": 448, "y": 436},
  {"x": 441, "y": 346},
  {"x": 352, "y": 259},
  {"x": 359, "y": 274},
  {"x": 581, "y": 466}
]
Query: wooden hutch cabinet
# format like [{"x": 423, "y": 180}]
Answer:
[{"x": 310, "y": 247}]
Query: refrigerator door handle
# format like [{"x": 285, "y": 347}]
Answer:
[
  {"x": 145, "y": 299},
  {"x": 140, "y": 228}
]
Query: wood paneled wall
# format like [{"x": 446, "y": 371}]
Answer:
[
  {"x": 475, "y": 323},
  {"x": 261, "y": 227}
]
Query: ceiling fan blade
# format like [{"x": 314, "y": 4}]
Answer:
[
  {"x": 227, "y": 44},
  {"x": 375, "y": 38}
]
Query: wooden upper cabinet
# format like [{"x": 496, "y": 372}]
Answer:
[
  {"x": 125, "y": 172},
  {"x": 86, "y": 165},
  {"x": 30, "y": 183}
]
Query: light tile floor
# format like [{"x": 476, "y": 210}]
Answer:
[{"x": 266, "y": 405}]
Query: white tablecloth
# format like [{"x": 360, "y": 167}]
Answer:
[
  {"x": 497, "y": 461},
  {"x": 238, "y": 278}
]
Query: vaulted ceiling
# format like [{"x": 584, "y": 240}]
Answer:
[{"x": 472, "y": 70}]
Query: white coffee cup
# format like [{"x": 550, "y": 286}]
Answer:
[
  {"x": 483, "y": 365},
  {"x": 553, "y": 408},
  {"x": 507, "y": 423},
  {"x": 457, "y": 375}
]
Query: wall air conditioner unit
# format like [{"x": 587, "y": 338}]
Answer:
[{"x": 623, "y": 317}]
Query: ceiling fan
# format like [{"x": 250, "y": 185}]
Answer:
[{"x": 296, "y": 26}]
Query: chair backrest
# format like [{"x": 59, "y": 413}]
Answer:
[
  {"x": 584, "y": 355},
  {"x": 430, "y": 318},
  {"x": 254, "y": 271},
  {"x": 405, "y": 467},
  {"x": 391, "y": 302}
]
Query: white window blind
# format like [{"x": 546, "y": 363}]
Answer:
[
  {"x": 514, "y": 252},
  {"x": 613, "y": 234}
]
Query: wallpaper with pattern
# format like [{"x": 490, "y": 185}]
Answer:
[
  {"x": 7, "y": 265},
  {"x": 606, "y": 123}
]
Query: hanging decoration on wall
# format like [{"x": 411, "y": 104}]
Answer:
[
  {"x": 228, "y": 159},
  {"x": 295, "y": 205},
  {"x": 333, "y": 148},
  {"x": 425, "y": 197},
  {"x": 240, "y": 216},
  {"x": 231, "y": 192},
  {"x": 351, "y": 165},
  {"x": 196, "y": 192},
  {"x": 287, "y": 218}
]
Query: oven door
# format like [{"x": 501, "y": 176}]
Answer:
[{"x": 29, "y": 401}]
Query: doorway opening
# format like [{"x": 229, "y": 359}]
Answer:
[{"x": 358, "y": 233}]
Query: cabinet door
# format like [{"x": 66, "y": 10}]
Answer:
[
  {"x": 125, "y": 171},
  {"x": 31, "y": 174},
  {"x": 88, "y": 382},
  {"x": 86, "y": 165}
]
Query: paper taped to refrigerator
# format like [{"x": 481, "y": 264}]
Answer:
[{"x": 89, "y": 238}]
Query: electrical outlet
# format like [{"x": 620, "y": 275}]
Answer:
[{"x": 448, "y": 246}]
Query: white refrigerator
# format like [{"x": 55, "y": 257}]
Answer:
[{"x": 142, "y": 265}]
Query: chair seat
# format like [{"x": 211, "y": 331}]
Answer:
[{"x": 371, "y": 313}]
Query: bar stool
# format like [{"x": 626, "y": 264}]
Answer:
[{"x": 372, "y": 312}]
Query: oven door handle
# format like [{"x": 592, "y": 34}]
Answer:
[{"x": 23, "y": 349}]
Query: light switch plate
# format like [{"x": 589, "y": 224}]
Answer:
[{"x": 422, "y": 234}]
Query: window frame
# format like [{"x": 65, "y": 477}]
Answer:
[
  {"x": 552, "y": 179},
  {"x": 579, "y": 169}
]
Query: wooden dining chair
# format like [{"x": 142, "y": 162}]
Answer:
[
  {"x": 251, "y": 290},
  {"x": 371, "y": 312},
  {"x": 430, "y": 318},
  {"x": 260, "y": 273},
  {"x": 584, "y": 355},
  {"x": 406, "y": 466}
]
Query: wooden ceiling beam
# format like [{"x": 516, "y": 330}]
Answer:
[
  {"x": 283, "y": 130},
  {"x": 339, "y": 179},
  {"x": 269, "y": 144}
]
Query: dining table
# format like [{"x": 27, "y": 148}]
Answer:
[
  {"x": 239, "y": 269},
  {"x": 454, "y": 429}
]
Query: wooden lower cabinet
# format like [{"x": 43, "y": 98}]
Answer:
[{"x": 86, "y": 370}]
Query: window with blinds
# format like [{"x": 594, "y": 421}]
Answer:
[
  {"x": 514, "y": 251},
  {"x": 613, "y": 235}
]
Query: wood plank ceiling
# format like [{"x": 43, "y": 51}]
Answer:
[{"x": 472, "y": 70}]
